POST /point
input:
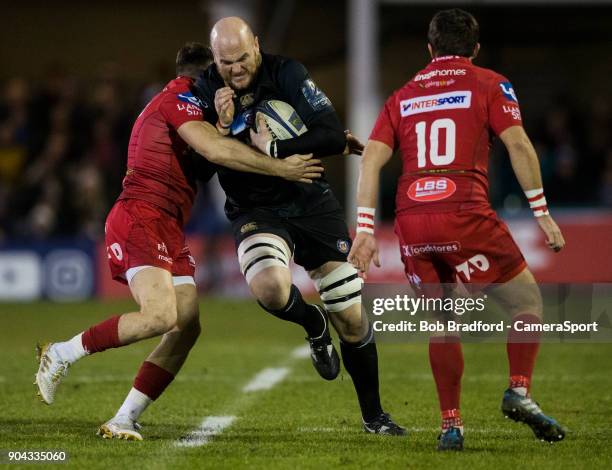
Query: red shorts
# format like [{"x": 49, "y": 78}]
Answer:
[
  {"x": 138, "y": 233},
  {"x": 470, "y": 246}
]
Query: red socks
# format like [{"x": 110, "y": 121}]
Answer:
[
  {"x": 102, "y": 336},
  {"x": 451, "y": 418},
  {"x": 446, "y": 359},
  {"x": 522, "y": 347},
  {"x": 152, "y": 380}
]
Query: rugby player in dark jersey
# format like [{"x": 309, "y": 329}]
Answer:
[{"x": 274, "y": 220}]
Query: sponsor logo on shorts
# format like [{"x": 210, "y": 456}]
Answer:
[
  {"x": 426, "y": 248},
  {"x": 431, "y": 188},
  {"x": 248, "y": 227},
  {"x": 343, "y": 246},
  {"x": 439, "y": 102},
  {"x": 477, "y": 262},
  {"x": 440, "y": 73}
]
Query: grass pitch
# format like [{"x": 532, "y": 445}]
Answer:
[{"x": 303, "y": 422}]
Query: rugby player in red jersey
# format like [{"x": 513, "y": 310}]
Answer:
[
  {"x": 442, "y": 122},
  {"x": 146, "y": 245}
]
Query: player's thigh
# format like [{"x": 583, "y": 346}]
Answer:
[
  {"x": 264, "y": 255},
  {"x": 153, "y": 290},
  {"x": 320, "y": 238},
  {"x": 519, "y": 295},
  {"x": 417, "y": 248},
  {"x": 262, "y": 242}
]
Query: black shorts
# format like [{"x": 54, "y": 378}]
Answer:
[{"x": 314, "y": 239}]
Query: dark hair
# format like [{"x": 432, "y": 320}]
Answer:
[
  {"x": 453, "y": 32},
  {"x": 192, "y": 59}
]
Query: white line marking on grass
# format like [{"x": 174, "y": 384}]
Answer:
[
  {"x": 266, "y": 379},
  {"x": 210, "y": 427}
]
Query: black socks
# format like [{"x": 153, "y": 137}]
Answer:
[
  {"x": 361, "y": 362},
  {"x": 298, "y": 311}
]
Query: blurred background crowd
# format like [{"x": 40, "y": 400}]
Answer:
[{"x": 64, "y": 131}]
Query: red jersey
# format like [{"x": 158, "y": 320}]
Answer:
[
  {"x": 158, "y": 157},
  {"x": 443, "y": 121}
]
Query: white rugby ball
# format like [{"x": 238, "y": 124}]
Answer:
[{"x": 282, "y": 120}]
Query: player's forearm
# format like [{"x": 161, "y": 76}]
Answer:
[
  {"x": 369, "y": 181},
  {"x": 323, "y": 139},
  {"x": 224, "y": 151},
  {"x": 240, "y": 157},
  {"x": 524, "y": 159},
  {"x": 375, "y": 156}
]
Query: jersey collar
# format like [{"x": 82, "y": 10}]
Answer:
[{"x": 446, "y": 58}]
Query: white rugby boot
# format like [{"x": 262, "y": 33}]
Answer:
[
  {"x": 120, "y": 427},
  {"x": 51, "y": 370}
]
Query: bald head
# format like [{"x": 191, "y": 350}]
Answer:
[
  {"x": 236, "y": 51},
  {"x": 231, "y": 31}
]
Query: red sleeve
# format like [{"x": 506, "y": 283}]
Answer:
[
  {"x": 177, "y": 109},
  {"x": 504, "y": 110},
  {"x": 384, "y": 129}
]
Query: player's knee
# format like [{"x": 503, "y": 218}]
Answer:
[
  {"x": 519, "y": 296},
  {"x": 188, "y": 310},
  {"x": 272, "y": 287},
  {"x": 350, "y": 325},
  {"x": 529, "y": 302},
  {"x": 340, "y": 289},
  {"x": 190, "y": 332},
  {"x": 350, "y": 334},
  {"x": 160, "y": 315}
]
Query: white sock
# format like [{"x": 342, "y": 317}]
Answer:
[
  {"x": 520, "y": 390},
  {"x": 71, "y": 350},
  {"x": 134, "y": 405}
]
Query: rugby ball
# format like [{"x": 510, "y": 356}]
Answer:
[{"x": 282, "y": 120}]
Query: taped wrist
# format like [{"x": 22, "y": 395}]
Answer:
[
  {"x": 537, "y": 202},
  {"x": 365, "y": 219}
]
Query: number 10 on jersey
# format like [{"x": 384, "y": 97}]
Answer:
[{"x": 439, "y": 125}]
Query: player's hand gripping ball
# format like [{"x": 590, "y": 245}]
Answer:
[{"x": 275, "y": 120}]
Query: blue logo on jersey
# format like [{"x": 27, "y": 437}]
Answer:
[
  {"x": 314, "y": 95},
  {"x": 508, "y": 91},
  {"x": 189, "y": 98}
]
